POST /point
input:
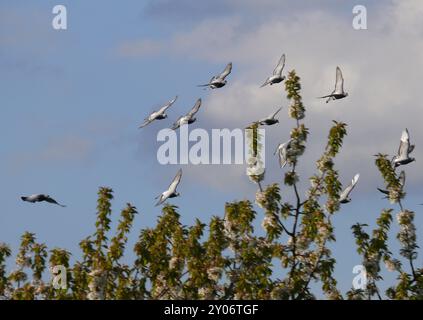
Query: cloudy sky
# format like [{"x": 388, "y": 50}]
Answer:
[{"x": 71, "y": 102}]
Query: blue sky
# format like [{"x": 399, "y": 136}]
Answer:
[{"x": 72, "y": 100}]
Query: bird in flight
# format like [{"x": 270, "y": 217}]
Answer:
[
  {"x": 344, "y": 197},
  {"x": 277, "y": 73},
  {"x": 158, "y": 115},
  {"x": 40, "y": 198},
  {"x": 282, "y": 151},
  {"x": 401, "y": 182},
  {"x": 270, "y": 120},
  {"x": 189, "y": 117},
  {"x": 404, "y": 150},
  {"x": 338, "y": 92},
  {"x": 171, "y": 191},
  {"x": 219, "y": 80}
]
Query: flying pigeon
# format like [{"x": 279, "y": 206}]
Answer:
[
  {"x": 343, "y": 198},
  {"x": 401, "y": 182},
  {"x": 338, "y": 92},
  {"x": 219, "y": 80},
  {"x": 189, "y": 117},
  {"x": 39, "y": 198},
  {"x": 282, "y": 151},
  {"x": 158, "y": 115},
  {"x": 171, "y": 191},
  {"x": 270, "y": 120},
  {"x": 403, "y": 156},
  {"x": 277, "y": 73}
]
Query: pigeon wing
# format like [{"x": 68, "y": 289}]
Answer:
[
  {"x": 265, "y": 83},
  {"x": 402, "y": 178},
  {"x": 162, "y": 199},
  {"x": 347, "y": 191},
  {"x": 146, "y": 122},
  {"x": 275, "y": 113},
  {"x": 51, "y": 200},
  {"x": 404, "y": 145},
  {"x": 175, "y": 182},
  {"x": 383, "y": 191},
  {"x": 339, "y": 85},
  {"x": 176, "y": 124},
  {"x": 167, "y": 106},
  {"x": 226, "y": 72},
  {"x": 280, "y": 66},
  {"x": 195, "y": 109}
]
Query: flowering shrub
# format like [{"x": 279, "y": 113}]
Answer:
[{"x": 225, "y": 259}]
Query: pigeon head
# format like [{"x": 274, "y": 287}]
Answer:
[{"x": 24, "y": 198}]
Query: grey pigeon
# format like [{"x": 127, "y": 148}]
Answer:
[
  {"x": 404, "y": 150},
  {"x": 277, "y": 73},
  {"x": 189, "y": 117},
  {"x": 40, "y": 198},
  {"x": 338, "y": 92},
  {"x": 158, "y": 115},
  {"x": 401, "y": 182},
  {"x": 219, "y": 80},
  {"x": 282, "y": 151},
  {"x": 270, "y": 120},
  {"x": 171, "y": 191},
  {"x": 344, "y": 197}
]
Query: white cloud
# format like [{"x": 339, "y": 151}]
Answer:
[{"x": 382, "y": 69}]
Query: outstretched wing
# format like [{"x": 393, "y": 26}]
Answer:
[
  {"x": 162, "y": 199},
  {"x": 344, "y": 195},
  {"x": 195, "y": 109},
  {"x": 175, "y": 182},
  {"x": 280, "y": 66},
  {"x": 176, "y": 124},
  {"x": 404, "y": 145},
  {"x": 51, "y": 200},
  {"x": 383, "y": 191},
  {"x": 402, "y": 178},
  {"x": 167, "y": 106},
  {"x": 226, "y": 72},
  {"x": 265, "y": 83},
  {"x": 146, "y": 122},
  {"x": 339, "y": 85},
  {"x": 275, "y": 113}
]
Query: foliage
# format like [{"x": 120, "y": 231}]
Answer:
[{"x": 226, "y": 259}]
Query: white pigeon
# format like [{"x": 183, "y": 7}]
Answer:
[
  {"x": 270, "y": 120},
  {"x": 277, "y": 73},
  {"x": 344, "y": 197},
  {"x": 401, "y": 179},
  {"x": 219, "y": 80},
  {"x": 40, "y": 198},
  {"x": 189, "y": 117},
  {"x": 282, "y": 151},
  {"x": 404, "y": 150},
  {"x": 171, "y": 191},
  {"x": 158, "y": 115},
  {"x": 338, "y": 92}
]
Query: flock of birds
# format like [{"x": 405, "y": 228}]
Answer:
[{"x": 282, "y": 150}]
